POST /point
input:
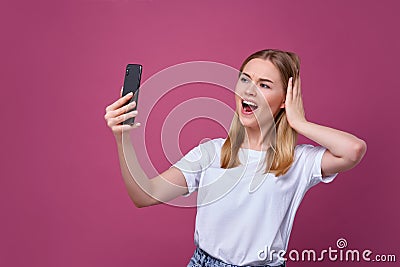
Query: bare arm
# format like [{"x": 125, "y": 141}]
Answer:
[{"x": 142, "y": 190}]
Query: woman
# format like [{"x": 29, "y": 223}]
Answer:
[{"x": 237, "y": 226}]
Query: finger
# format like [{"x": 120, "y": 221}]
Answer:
[
  {"x": 121, "y": 110},
  {"x": 289, "y": 90},
  {"x": 299, "y": 83},
  {"x": 121, "y": 101},
  {"x": 124, "y": 109},
  {"x": 296, "y": 88},
  {"x": 135, "y": 125},
  {"x": 124, "y": 117},
  {"x": 120, "y": 94}
]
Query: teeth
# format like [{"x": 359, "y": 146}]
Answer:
[{"x": 249, "y": 103}]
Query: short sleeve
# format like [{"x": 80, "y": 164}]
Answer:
[
  {"x": 192, "y": 165},
  {"x": 312, "y": 159}
]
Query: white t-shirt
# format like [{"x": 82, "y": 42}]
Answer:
[{"x": 241, "y": 211}]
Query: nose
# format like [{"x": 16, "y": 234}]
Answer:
[{"x": 251, "y": 89}]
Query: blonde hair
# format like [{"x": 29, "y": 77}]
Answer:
[{"x": 281, "y": 155}]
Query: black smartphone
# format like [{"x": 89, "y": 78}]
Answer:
[{"x": 133, "y": 74}]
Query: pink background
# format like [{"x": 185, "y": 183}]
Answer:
[{"x": 62, "y": 198}]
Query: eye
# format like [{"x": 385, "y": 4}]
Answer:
[
  {"x": 244, "y": 79},
  {"x": 264, "y": 85}
]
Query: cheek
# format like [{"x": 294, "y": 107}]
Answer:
[
  {"x": 239, "y": 88},
  {"x": 237, "y": 99},
  {"x": 238, "y": 103},
  {"x": 274, "y": 100}
]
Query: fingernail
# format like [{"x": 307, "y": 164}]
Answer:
[{"x": 130, "y": 93}]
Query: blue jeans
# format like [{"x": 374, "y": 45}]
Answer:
[{"x": 200, "y": 258}]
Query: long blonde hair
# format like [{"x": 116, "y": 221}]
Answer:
[{"x": 281, "y": 155}]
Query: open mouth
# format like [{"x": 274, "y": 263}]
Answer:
[{"x": 248, "y": 107}]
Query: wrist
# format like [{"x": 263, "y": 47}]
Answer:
[
  {"x": 299, "y": 125},
  {"x": 122, "y": 138},
  {"x": 118, "y": 137}
]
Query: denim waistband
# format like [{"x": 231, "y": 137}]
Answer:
[{"x": 207, "y": 260}]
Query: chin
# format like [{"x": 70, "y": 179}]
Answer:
[
  {"x": 248, "y": 122},
  {"x": 252, "y": 122}
]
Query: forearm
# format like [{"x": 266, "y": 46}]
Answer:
[
  {"x": 340, "y": 144},
  {"x": 133, "y": 174}
]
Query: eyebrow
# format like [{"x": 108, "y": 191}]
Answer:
[{"x": 261, "y": 79}]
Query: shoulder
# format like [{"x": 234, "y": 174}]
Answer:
[
  {"x": 209, "y": 148},
  {"x": 218, "y": 141},
  {"x": 309, "y": 152},
  {"x": 215, "y": 143},
  {"x": 305, "y": 149},
  {"x": 309, "y": 160},
  {"x": 302, "y": 149},
  {"x": 204, "y": 153}
]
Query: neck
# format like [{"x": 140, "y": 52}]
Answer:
[{"x": 257, "y": 139}]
